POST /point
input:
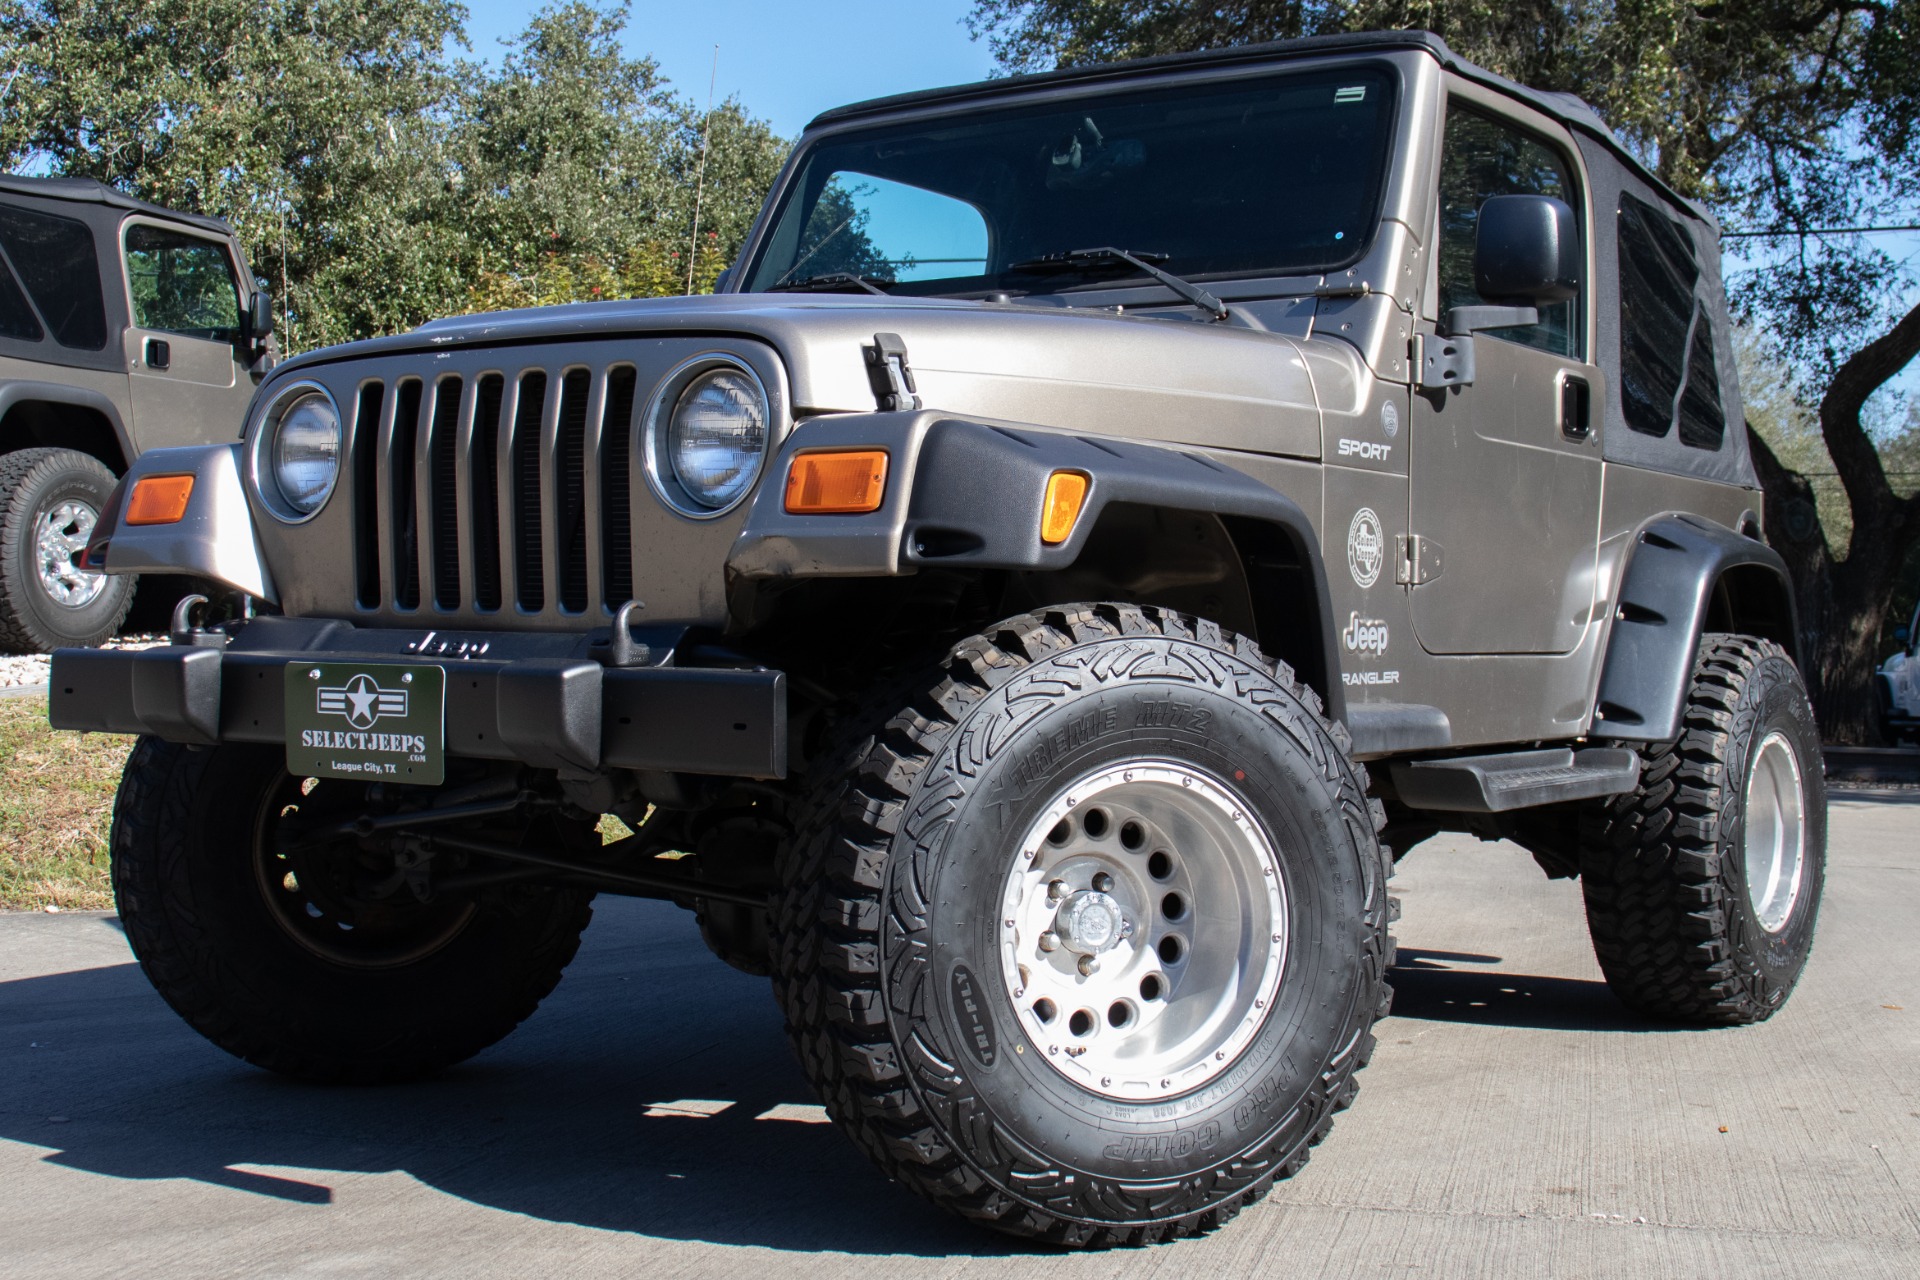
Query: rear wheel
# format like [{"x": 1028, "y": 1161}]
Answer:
[
  {"x": 50, "y": 500},
  {"x": 1702, "y": 887},
  {"x": 293, "y": 955},
  {"x": 1083, "y": 931}
]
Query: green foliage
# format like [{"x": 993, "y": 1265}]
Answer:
[
  {"x": 650, "y": 270},
  {"x": 374, "y": 180}
]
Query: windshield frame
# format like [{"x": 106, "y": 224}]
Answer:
[{"x": 1128, "y": 286}]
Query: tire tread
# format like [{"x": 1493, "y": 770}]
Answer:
[{"x": 829, "y": 913}]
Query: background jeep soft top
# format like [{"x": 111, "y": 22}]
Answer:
[{"x": 981, "y": 621}]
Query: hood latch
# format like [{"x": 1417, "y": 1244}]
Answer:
[{"x": 890, "y": 374}]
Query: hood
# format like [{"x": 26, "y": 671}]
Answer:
[{"x": 1076, "y": 369}]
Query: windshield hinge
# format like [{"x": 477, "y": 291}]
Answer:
[
  {"x": 890, "y": 374},
  {"x": 1418, "y": 560}
]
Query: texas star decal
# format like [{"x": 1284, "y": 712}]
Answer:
[{"x": 361, "y": 702}]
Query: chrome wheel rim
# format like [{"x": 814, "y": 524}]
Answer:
[
  {"x": 60, "y": 534},
  {"x": 1143, "y": 930},
  {"x": 1774, "y": 839}
]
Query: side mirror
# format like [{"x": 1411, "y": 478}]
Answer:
[
  {"x": 1526, "y": 251},
  {"x": 722, "y": 281},
  {"x": 1901, "y": 636},
  {"x": 260, "y": 313}
]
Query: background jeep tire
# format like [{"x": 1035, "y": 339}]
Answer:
[
  {"x": 1697, "y": 913},
  {"x": 891, "y": 946},
  {"x": 188, "y": 881},
  {"x": 49, "y": 502}
]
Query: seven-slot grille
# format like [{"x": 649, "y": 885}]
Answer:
[{"x": 495, "y": 491}]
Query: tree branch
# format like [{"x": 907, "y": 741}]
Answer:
[{"x": 1853, "y": 454}]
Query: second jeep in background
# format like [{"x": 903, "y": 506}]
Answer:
[{"x": 123, "y": 327}]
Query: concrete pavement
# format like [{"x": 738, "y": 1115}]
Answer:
[{"x": 650, "y": 1121}]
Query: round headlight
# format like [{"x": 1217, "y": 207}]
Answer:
[
  {"x": 717, "y": 437},
  {"x": 303, "y": 449}
]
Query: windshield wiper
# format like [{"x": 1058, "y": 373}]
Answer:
[
  {"x": 832, "y": 281},
  {"x": 1082, "y": 261}
]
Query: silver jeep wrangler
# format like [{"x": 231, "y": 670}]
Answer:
[{"x": 1101, "y": 516}]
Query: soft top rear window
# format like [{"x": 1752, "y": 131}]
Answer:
[
  {"x": 1667, "y": 365},
  {"x": 55, "y": 260},
  {"x": 17, "y": 320},
  {"x": 1276, "y": 175}
]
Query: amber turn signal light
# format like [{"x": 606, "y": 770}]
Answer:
[
  {"x": 1066, "y": 493},
  {"x": 847, "y": 482},
  {"x": 159, "y": 499}
]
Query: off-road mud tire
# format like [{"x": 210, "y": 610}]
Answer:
[
  {"x": 197, "y": 922},
  {"x": 858, "y": 921},
  {"x": 1662, "y": 867},
  {"x": 31, "y": 621}
]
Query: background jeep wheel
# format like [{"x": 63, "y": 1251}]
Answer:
[
  {"x": 1083, "y": 932},
  {"x": 275, "y": 961},
  {"x": 50, "y": 499},
  {"x": 1703, "y": 885}
]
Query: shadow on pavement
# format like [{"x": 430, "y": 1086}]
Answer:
[
  {"x": 561, "y": 1121},
  {"x": 654, "y": 1093},
  {"x": 1426, "y": 990}
]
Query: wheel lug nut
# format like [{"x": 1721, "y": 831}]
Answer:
[
  {"x": 1089, "y": 966},
  {"x": 1103, "y": 882},
  {"x": 1049, "y": 940},
  {"x": 1057, "y": 890}
]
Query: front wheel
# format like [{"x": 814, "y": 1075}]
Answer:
[
  {"x": 50, "y": 500},
  {"x": 1082, "y": 937},
  {"x": 315, "y": 959},
  {"x": 1702, "y": 886}
]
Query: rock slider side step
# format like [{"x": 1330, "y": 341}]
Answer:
[{"x": 1516, "y": 779}]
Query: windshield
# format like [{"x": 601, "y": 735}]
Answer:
[{"x": 1279, "y": 175}]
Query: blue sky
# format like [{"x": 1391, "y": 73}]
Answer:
[{"x": 787, "y": 60}]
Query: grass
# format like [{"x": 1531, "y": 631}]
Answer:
[{"x": 56, "y": 801}]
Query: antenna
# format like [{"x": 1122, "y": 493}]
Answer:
[
  {"x": 700, "y": 183},
  {"x": 286, "y": 299}
]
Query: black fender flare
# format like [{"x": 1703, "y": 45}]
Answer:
[
  {"x": 967, "y": 493},
  {"x": 1680, "y": 576},
  {"x": 16, "y": 392}
]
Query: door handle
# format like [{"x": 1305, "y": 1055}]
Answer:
[
  {"x": 159, "y": 353},
  {"x": 1575, "y": 405}
]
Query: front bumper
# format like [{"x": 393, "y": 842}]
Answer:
[{"x": 540, "y": 699}]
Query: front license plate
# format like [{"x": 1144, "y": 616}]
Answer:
[{"x": 372, "y": 721}]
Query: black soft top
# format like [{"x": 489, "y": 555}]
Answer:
[
  {"x": 1564, "y": 107},
  {"x": 87, "y": 190}
]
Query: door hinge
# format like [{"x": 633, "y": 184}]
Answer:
[
  {"x": 1417, "y": 560},
  {"x": 1442, "y": 361},
  {"x": 890, "y": 374}
]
